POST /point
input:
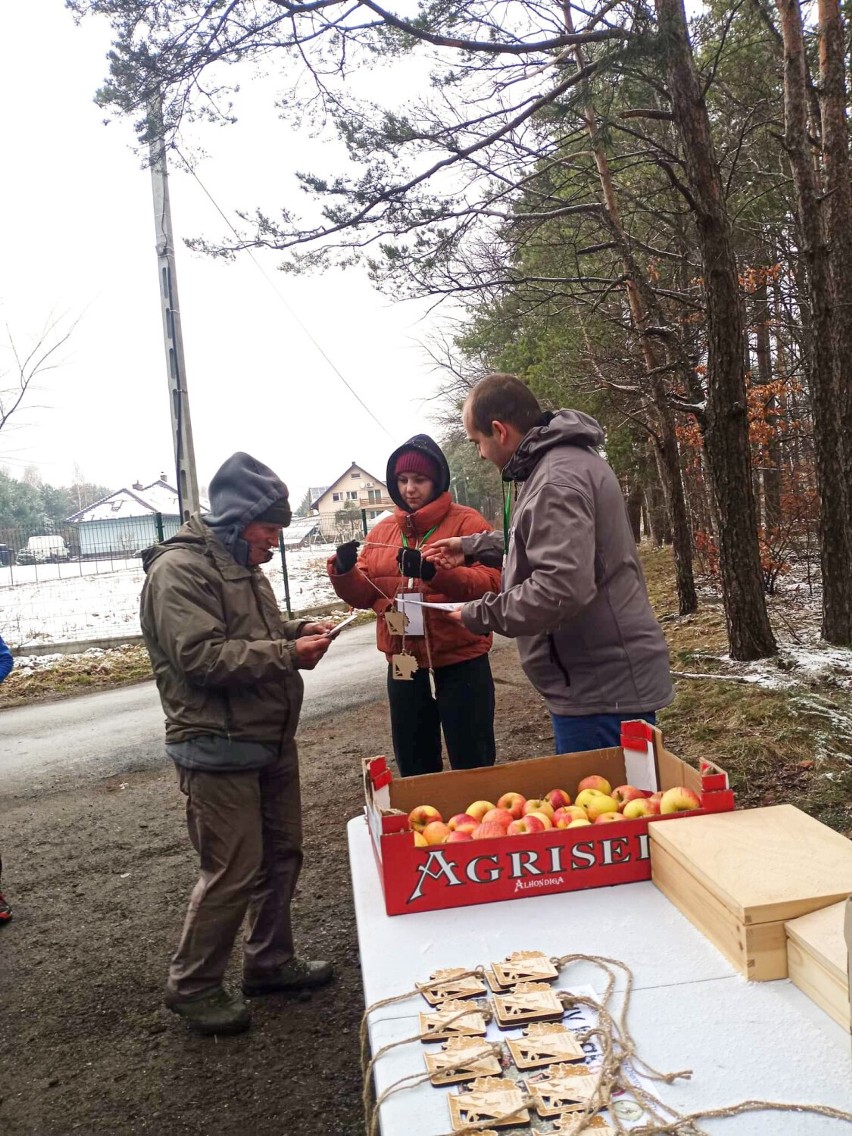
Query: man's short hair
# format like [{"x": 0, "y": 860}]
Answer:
[{"x": 503, "y": 398}]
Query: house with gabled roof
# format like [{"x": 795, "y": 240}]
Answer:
[
  {"x": 354, "y": 490},
  {"x": 129, "y": 519}
]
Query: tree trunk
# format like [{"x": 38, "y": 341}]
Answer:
[
  {"x": 827, "y": 413},
  {"x": 634, "y": 508},
  {"x": 726, "y": 422},
  {"x": 771, "y": 464}
]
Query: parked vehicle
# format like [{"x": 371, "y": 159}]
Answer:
[
  {"x": 43, "y": 550},
  {"x": 7, "y": 555}
]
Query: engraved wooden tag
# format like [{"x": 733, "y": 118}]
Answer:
[
  {"x": 567, "y": 1088},
  {"x": 395, "y": 621},
  {"x": 445, "y": 984},
  {"x": 568, "y": 1125},
  {"x": 528, "y": 1002},
  {"x": 491, "y": 1100},
  {"x": 523, "y": 966},
  {"x": 462, "y": 1059},
  {"x": 453, "y": 1018},
  {"x": 544, "y": 1043},
  {"x": 404, "y": 665}
]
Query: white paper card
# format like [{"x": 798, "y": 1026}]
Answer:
[
  {"x": 439, "y": 606},
  {"x": 411, "y": 604}
]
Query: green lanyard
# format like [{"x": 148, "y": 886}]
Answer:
[
  {"x": 422, "y": 542},
  {"x": 508, "y": 501}
]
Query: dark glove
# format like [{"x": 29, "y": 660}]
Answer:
[
  {"x": 346, "y": 556},
  {"x": 412, "y": 564}
]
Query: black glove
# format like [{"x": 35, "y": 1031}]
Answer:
[
  {"x": 346, "y": 556},
  {"x": 412, "y": 564}
]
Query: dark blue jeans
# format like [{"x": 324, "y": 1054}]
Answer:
[{"x": 591, "y": 731}]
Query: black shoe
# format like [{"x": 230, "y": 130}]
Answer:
[
  {"x": 215, "y": 1011},
  {"x": 300, "y": 974}
]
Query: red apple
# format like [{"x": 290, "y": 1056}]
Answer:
[
  {"x": 679, "y": 800},
  {"x": 525, "y": 825},
  {"x": 595, "y": 782},
  {"x": 436, "y": 832},
  {"x": 421, "y": 816},
  {"x": 563, "y": 817},
  {"x": 478, "y": 809},
  {"x": 542, "y": 816},
  {"x": 486, "y": 831},
  {"x": 600, "y": 804},
  {"x": 539, "y": 805},
  {"x": 498, "y": 816},
  {"x": 462, "y": 822},
  {"x": 608, "y": 818},
  {"x": 658, "y": 796},
  {"x": 514, "y": 802},
  {"x": 558, "y": 798},
  {"x": 625, "y": 793},
  {"x": 641, "y": 807},
  {"x": 457, "y": 836}
]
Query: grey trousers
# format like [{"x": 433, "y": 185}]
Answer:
[{"x": 247, "y": 831}]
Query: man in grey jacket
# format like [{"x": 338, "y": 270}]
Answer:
[
  {"x": 573, "y": 594},
  {"x": 227, "y": 669}
]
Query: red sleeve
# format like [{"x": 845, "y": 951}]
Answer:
[
  {"x": 354, "y": 588},
  {"x": 468, "y": 582}
]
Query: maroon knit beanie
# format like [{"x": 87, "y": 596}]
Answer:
[{"x": 415, "y": 461}]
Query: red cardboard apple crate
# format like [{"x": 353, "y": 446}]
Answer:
[{"x": 513, "y": 867}]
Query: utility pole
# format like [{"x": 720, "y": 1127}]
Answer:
[{"x": 187, "y": 479}]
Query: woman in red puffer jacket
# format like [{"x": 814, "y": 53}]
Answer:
[{"x": 460, "y": 697}]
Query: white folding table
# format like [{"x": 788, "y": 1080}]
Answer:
[{"x": 689, "y": 1008}]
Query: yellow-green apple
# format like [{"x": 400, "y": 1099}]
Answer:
[
  {"x": 558, "y": 798},
  {"x": 600, "y": 804},
  {"x": 421, "y": 816},
  {"x": 526, "y": 824},
  {"x": 595, "y": 782},
  {"x": 484, "y": 831},
  {"x": 608, "y": 818},
  {"x": 498, "y": 816},
  {"x": 420, "y": 840},
  {"x": 585, "y": 796},
  {"x": 458, "y": 837},
  {"x": 514, "y": 802},
  {"x": 436, "y": 832},
  {"x": 641, "y": 807},
  {"x": 563, "y": 817},
  {"x": 625, "y": 793},
  {"x": 478, "y": 809},
  {"x": 579, "y": 822},
  {"x": 539, "y": 805},
  {"x": 542, "y": 816},
  {"x": 462, "y": 822},
  {"x": 679, "y": 800}
]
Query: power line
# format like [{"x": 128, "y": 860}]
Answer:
[{"x": 280, "y": 295}]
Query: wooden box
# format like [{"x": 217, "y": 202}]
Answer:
[
  {"x": 816, "y": 960},
  {"x": 740, "y": 876}
]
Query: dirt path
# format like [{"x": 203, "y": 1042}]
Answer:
[{"x": 99, "y": 877}]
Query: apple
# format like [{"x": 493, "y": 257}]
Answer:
[
  {"x": 478, "y": 810},
  {"x": 658, "y": 796},
  {"x": 514, "y": 802},
  {"x": 595, "y": 782},
  {"x": 563, "y": 817},
  {"x": 586, "y": 796},
  {"x": 537, "y": 805},
  {"x": 678, "y": 800},
  {"x": 608, "y": 818},
  {"x": 486, "y": 831},
  {"x": 625, "y": 793},
  {"x": 436, "y": 832},
  {"x": 558, "y": 798},
  {"x": 641, "y": 807},
  {"x": 601, "y": 804},
  {"x": 457, "y": 836},
  {"x": 579, "y": 823},
  {"x": 420, "y": 840},
  {"x": 421, "y": 816},
  {"x": 462, "y": 822},
  {"x": 525, "y": 824},
  {"x": 543, "y": 817},
  {"x": 498, "y": 816}
]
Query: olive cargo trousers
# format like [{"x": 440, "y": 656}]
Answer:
[{"x": 247, "y": 830}]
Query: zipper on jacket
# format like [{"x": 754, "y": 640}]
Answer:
[{"x": 557, "y": 662}]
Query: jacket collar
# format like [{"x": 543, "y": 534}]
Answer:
[
  {"x": 418, "y": 524},
  {"x": 225, "y": 563}
]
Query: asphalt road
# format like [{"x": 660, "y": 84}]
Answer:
[{"x": 121, "y": 731}]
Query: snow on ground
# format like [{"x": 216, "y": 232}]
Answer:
[{"x": 53, "y": 603}]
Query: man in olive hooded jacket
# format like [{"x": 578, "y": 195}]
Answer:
[
  {"x": 573, "y": 595},
  {"x": 227, "y": 669}
]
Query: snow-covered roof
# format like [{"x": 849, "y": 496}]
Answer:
[
  {"x": 371, "y": 524},
  {"x": 298, "y": 529},
  {"x": 158, "y": 497}
]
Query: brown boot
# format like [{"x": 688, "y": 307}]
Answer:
[
  {"x": 300, "y": 974},
  {"x": 215, "y": 1011}
]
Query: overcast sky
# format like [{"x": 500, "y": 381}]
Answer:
[{"x": 78, "y": 245}]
